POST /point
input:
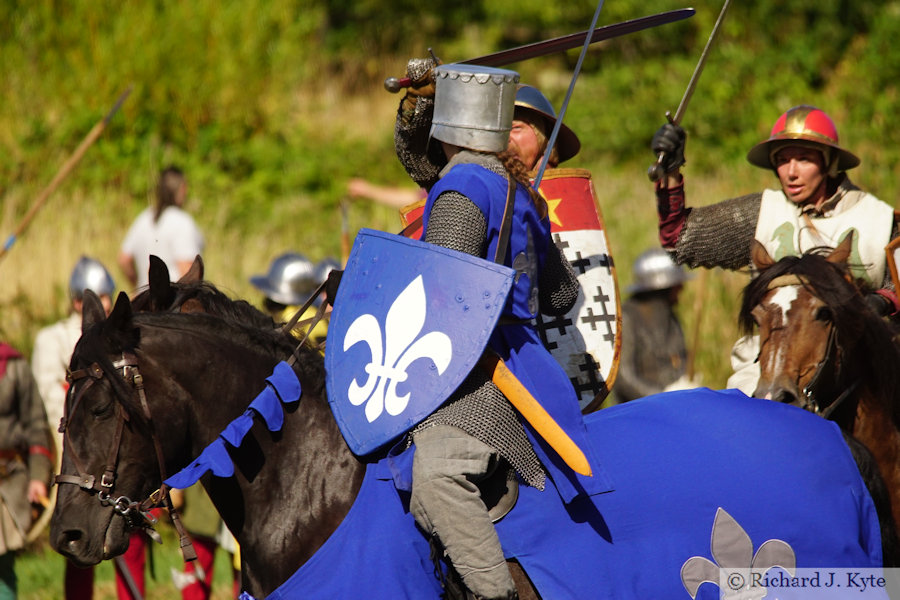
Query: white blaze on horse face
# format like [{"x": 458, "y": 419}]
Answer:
[{"x": 783, "y": 298}]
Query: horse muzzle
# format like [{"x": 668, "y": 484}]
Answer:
[
  {"x": 87, "y": 543},
  {"x": 783, "y": 392}
]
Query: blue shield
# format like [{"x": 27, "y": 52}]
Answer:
[{"x": 410, "y": 321}]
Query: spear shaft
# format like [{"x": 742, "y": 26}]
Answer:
[{"x": 63, "y": 172}]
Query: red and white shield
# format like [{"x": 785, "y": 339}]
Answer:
[{"x": 587, "y": 340}]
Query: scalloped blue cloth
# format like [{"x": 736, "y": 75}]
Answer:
[{"x": 282, "y": 386}]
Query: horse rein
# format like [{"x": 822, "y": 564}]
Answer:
[
  {"x": 829, "y": 362},
  {"x": 122, "y": 505}
]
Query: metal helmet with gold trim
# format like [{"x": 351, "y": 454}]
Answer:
[{"x": 808, "y": 126}]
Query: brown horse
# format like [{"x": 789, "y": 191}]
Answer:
[{"x": 823, "y": 349}]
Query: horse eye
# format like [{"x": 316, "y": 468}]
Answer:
[
  {"x": 102, "y": 408},
  {"x": 823, "y": 314}
]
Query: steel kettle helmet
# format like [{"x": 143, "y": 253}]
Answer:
[
  {"x": 655, "y": 270},
  {"x": 90, "y": 274},
  {"x": 290, "y": 280},
  {"x": 473, "y": 106},
  {"x": 804, "y": 125}
]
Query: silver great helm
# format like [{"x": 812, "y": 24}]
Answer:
[
  {"x": 531, "y": 101},
  {"x": 654, "y": 270},
  {"x": 90, "y": 274},
  {"x": 473, "y": 106},
  {"x": 290, "y": 280}
]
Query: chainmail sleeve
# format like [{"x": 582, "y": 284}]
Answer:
[
  {"x": 456, "y": 223},
  {"x": 719, "y": 235},
  {"x": 558, "y": 286},
  {"x": 422, "y": 161}
]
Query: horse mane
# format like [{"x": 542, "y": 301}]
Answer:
[
  {"x": 109, "y": 337},
  {"x": 209, "y": 299},
  {"x": 866, "y": 338}
]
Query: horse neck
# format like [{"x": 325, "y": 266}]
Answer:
[{"x": 292, "y": 487}]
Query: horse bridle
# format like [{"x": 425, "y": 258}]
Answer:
[
  {"x": 829, "y": 363},
  {"x": 123, "y": 505}
]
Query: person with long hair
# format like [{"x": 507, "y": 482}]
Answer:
[{"x": 164, "y": 229}]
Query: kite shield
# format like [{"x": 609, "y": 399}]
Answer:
[
  {"x": 410, "y": 321},
  {"x": 587, "y": 340}
]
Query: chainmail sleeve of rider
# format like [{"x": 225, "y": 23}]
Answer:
[
  {"x": 557, "y": 286},
  {"x": 422, "y": 161},
  {"x": 719, "y": 235},
  {"x": 456, "y": 223}
]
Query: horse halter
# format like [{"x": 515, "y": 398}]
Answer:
[
  {"x": 123, "y": 505},
  {"x": 829, "y": 364}
]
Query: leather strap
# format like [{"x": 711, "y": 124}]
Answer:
[{"x": 506, "y": 225}]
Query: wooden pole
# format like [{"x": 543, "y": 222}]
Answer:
[{"x": 63, "y": 172}]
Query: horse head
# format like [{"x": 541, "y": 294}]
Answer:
[
  {"x": 810, "y": 316},
  {"x": 150, "y": 391},
  {"x": 108, "y": 444}
]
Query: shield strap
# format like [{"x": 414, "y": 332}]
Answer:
[{"x": 506, "y": 224}]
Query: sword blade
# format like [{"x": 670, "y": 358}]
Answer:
[
  {"x": 574, "y": 40},
  {"x": 689, "y": 91},
  {"x": 566, "y": 42},
  {"x": 655, "y": 172}
]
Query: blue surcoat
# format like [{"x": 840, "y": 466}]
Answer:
[{"x": 519, "y": 344}]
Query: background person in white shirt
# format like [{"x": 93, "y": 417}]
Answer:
[{"x": 164, "y": 229}]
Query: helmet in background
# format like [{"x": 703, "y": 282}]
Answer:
[
  {"x": 655, "y": 270},
  {"x": 90, "y": 274},
  {"x": 325, "y": 266},
  {"x": 290, "y": 280}
]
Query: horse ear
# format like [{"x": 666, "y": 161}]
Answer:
[
  {"x": 162, "y": 295},
  {"x": 91, "y": 310},
  {"x": 841, "y": 254},
  {"x": 195, "y": 273},
  {"x": 121, "y": 312},
  {"x": 760, "y": 256}
]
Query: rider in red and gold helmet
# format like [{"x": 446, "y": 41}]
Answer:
[{"x": 814, "y": 205}]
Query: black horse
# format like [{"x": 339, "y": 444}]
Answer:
[{"x": 151, "y": 390}]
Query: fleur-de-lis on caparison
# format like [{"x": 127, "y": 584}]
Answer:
[
  {"x": 393, "y": 353},
  {"x": 733, "y": 550}
]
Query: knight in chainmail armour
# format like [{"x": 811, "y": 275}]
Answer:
[
  {"x": 815, "y": 206},
  {"x": 468, "y": 174}
]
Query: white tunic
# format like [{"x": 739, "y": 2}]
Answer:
[
  {"x": 174, "y": 238},
  {"x": 50, "y": 357},
  {"x": 786, "y": 231}
]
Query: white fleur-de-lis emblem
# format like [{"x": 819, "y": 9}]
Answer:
[
  {"x": 392, "y": 354},
  {"x": 733, "y": 550}
]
